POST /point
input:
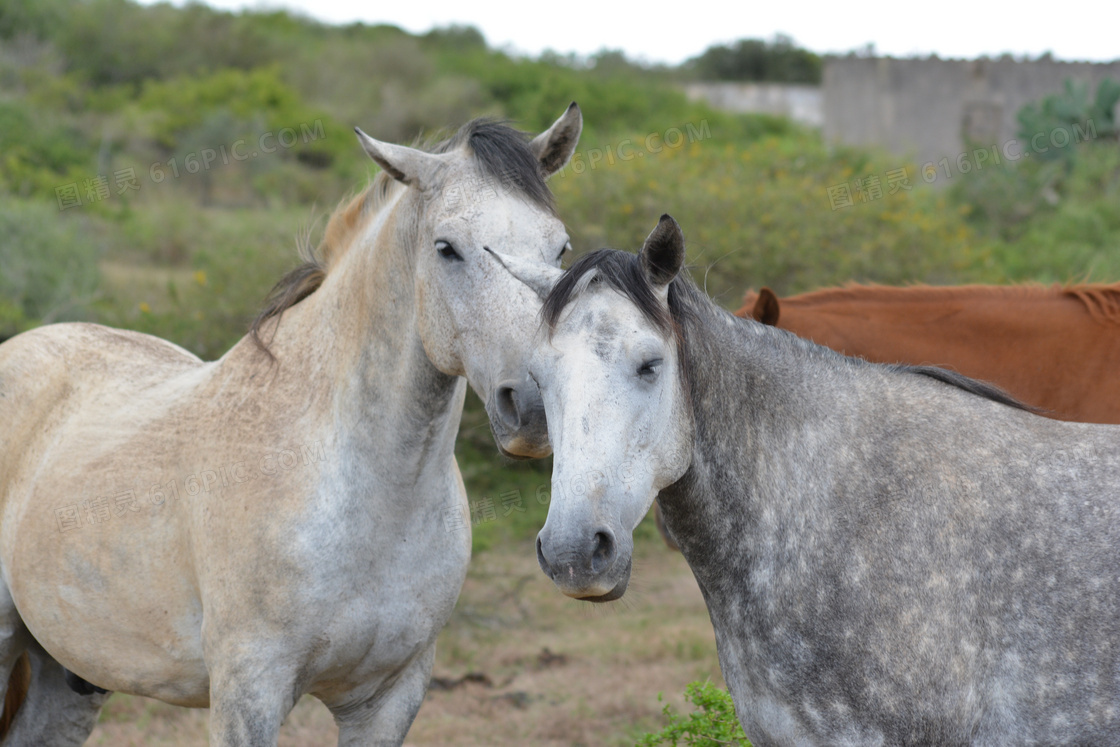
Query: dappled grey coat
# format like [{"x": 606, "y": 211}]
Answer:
[{"x": 890, "y": 559}]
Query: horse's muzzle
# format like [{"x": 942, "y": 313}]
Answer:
[
  {"x": 517, "y": 420},
  {"x": 592, "y": 571}
]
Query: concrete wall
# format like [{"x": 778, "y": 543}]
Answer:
[
  {"x": 926, "y": 109},
  {"x": 802, "y": 103}
]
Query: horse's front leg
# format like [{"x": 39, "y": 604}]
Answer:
[
  {"x": 383, "y": 719},
  {"x": 251, "y": 692}
]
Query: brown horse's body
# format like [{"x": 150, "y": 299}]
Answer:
[{"x": 1052, "y": 347}]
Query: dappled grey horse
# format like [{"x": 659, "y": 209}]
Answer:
[
  {"x": 238, "y": 533},
  {"x": 889, "y": 554}
]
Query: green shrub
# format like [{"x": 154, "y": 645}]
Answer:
[
  {"x": 757, "y": 60},
  {"x": 198, "y": 276},
  {"x": 38, "y": 155},
  {"x": 1070, "y": 109},
  {"x": 114, "y": 42},
  {"x": 1046, "y": 222},
  {"x": 48, "y": 266},
  {"x": 711, "y": 724},
  {"x": 758, "y": 213}
]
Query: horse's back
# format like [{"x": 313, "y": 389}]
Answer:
[
  {"x": 91, "y": 342},
  {"x": 83, "y": 355},
  {"x": 1049, "y": 347},
  {"x": 51, "y": 371}
]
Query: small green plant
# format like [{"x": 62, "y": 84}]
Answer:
[{"x": 713, "y": 723}]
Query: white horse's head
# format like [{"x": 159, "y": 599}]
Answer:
[
  {"x": 619, "y": 416},
  {"x": 483, "y": 191}
]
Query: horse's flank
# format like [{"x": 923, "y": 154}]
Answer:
[{"x": 1053, "y": 347}]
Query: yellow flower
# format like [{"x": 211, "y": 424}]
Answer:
[
  {"x": 145, "y": 308},
  {"x": 200, "y": 277}
]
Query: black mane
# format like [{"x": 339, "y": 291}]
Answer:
[{"x": 975, "y": 386}]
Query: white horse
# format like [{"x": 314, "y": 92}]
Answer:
[{"x": 288, "y": 519}]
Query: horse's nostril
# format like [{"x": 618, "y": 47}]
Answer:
[
  {"x": 506, "y": 399},
  {"x": 602, "y": 553},
  {"x": 541, "y": 559}
]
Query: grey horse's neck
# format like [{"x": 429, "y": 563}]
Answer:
[
  {"x": 780, "y": 424},
  {"x": 761, "y": 401}
]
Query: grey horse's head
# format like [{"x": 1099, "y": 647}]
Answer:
[{"x": 619, "y": 416}]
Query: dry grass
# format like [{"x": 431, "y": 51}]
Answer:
[{"x": 545, "y": 670}]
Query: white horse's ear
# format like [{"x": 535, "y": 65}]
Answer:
[
  {"x": 663, "y": 253},
  {"x": 554, "y": 147},
  {"x": 406, "y": 165},
  {"x": 540, "y": 277}
]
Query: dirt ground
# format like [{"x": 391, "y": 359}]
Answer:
[{"x": 519, "y": 664}]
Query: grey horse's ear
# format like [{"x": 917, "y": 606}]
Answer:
[
  {"x": 554, "y": 147},
  {"x": 406, "y": 165},
  {"x": 663, "y": 253}
]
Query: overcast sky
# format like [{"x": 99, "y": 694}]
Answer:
[{"x": 672, "y": 32}]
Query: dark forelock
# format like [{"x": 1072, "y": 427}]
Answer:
[
  {"x": 503, "y": 155},
  {"x": 622, "y": 272}
]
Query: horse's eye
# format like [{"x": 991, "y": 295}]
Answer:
[
  {"x": 447, "y": 251},
  {"x": 566, "y": 248},
  {"x": 650, "y": 369}
]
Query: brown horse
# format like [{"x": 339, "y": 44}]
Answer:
[{"x": 1054, "y": 347}]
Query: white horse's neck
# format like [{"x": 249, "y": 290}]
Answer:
[{"x": 355, "y": 340}]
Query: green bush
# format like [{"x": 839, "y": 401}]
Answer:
[
  {"x": 776, "y": 61},
  {"x": 48, "y": 266},
  {"x": 758, "y": 213},
  {"x": 37, "y": 154},
  {"x": 711, "y": 724},
  {"x": 198, "y": 276},
  {"x": 1043, "y": 221},
  {"x": 115, "y": 42},
  {"x": 1074, "y": 111}
]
